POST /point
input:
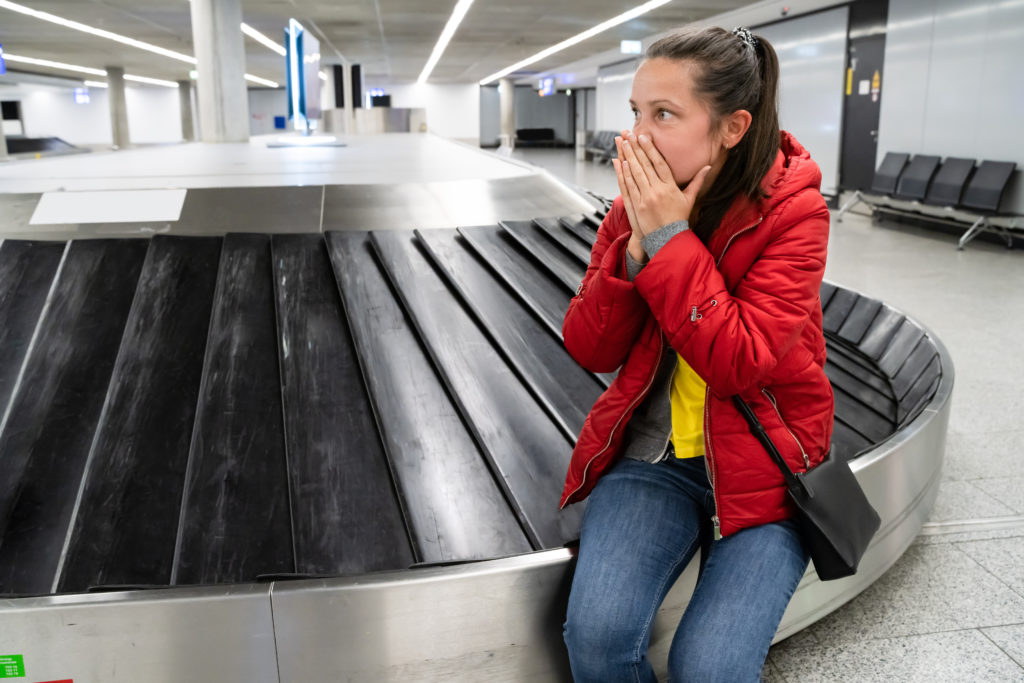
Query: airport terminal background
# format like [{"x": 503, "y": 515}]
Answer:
[{"x": 859, "y": 80}]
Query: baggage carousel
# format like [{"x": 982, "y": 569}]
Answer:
[{"x": 335, "y": 453}]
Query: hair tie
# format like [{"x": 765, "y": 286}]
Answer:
[{"x": 746, "y": 36}]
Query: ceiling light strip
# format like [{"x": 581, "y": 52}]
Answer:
[
  {"x": 262, "y": 39},
  {"x": 589, "y": 33},
  {"x": 53, "y": 18},
  {"x": 96, "y": 84},
  {"x": 53, "y": 65},
  {"x": 262, "y": 81},
  {"x": 446, "y": 35},
  {"x": 18, "y": 59}
]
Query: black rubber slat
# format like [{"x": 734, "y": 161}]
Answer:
[
  {"x": 539, "y": 290},
  {"x": 522, "y": 445},
  {"x": 45, "y": 441},
  {"x": 26, "y": 273},
  {"x": 566, "y": 269},
  {"x": 846, "y": 443},
  {"x": 862, "y": 419},
  {"x": 235, "y": 521},
  {"x": 826, "y": 293},
  {"x": 838, "y": 310},
  {"x": 541, "y": 361},
  {"x": 127, "y": 522},
  {"x": 855, "y": 364},
  {"x": 338, "y": 472},
  {"x": 911, "y": 371},
  {"x": 899, "y": 349},
  {"x": 552, "y": 227},
  {"x": 583, "y": 230},
  {"x": 860, "y": 319},
  {"x": 453, "y": 505},
  {"x": 921, "y": 392},
  {"x": 881, "y": 402},
  {"x": 880, "y": 333}
]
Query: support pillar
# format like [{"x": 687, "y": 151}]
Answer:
[
  {"x": 350, "y": 124},
  {"x": 118, "y": 107},
  {"x": 220, "y": 56},
  {"x": 507, "y": 98},
  {"x": 3, "y": 143},
  {"x": 188, "y": 129}
]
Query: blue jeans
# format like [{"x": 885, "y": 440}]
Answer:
[{"x": 642, "y": 526}]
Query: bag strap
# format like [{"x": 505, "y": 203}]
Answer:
[{"x": 757, "y": 429}]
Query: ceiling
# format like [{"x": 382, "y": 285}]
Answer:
[{"x": 391, "y": 39}]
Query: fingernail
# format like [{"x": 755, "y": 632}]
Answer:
[{"x": 643, "y": 138}]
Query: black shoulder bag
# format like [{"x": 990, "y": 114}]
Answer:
[{"x": 835, "y": 518}]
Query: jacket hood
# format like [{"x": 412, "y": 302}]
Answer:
[{"x": 792, "y": 172}]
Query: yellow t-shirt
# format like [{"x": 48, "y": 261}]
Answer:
[{"x": 687, "y": 395}]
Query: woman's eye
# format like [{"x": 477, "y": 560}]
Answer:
[
  {"x": 636, "y": 114},
  {"x": 662, "y": 114}
]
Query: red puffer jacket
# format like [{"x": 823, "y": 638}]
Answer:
[{"x": 744, "y": 312}]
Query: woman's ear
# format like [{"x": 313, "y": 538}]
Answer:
[{"x": 734, "y": 127}]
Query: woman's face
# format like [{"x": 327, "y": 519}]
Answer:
[{"x": 666, "y": 110}]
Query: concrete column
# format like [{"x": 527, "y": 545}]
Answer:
[
  {"x": 3, "y": 143},
  {"x": 188, "y": 129},
  {"x": 350, "y": 125},
  {"x": 220, "y": 53},
  {"x": 118, "y": 107},
  {"x": 507, "y": 97}
]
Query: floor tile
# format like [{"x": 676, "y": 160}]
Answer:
[
  {"x": 931, "y": 588},
  {"x": 1010, "y": 639},
  {"x": 963, "y": 500},
  {"x": 1007, "y": 490},
  {"x": 981, "y": 455},
  {"x": 1004, "y": 558},
  {"x": 953, "y": 656}
]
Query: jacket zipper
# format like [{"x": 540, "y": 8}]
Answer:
[
  {"x": 771, "y": 398},
  {"x": 611, "y": 435},
  {"x": 709, "y": 458}
]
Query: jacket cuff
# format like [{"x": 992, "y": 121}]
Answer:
[{"x": 660, "y": 237}]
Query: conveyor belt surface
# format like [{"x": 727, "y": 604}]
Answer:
[{"x": 212, "y": 410}]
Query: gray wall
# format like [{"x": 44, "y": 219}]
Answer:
[
  {"x": 952, "y": 84},
  {"x": 553, "y": 111},
  {"x": 812, "y": 64}
]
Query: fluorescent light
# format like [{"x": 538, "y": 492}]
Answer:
[
  {"x": 150, "y": 81},
  {"x": 85, "y": 70},
  {"x": 446, "y": 35},
  {"x": 262, "y": 39},
  {"x": 54, "y": 65},
  {"x": 53, "y": 18},
  {"x": 96, "y": 84},
  {"x": 262, "y": 81},
  {"x": 589, "y": 33}
]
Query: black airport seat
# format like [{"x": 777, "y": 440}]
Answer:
[
  {"x": 916, "y": 177},
  {"x": 948, "y": 184},
  {"x": 889, "y": 172},
  {"x": 602, "y": 145},
  {"x": 986, "y": 188}
]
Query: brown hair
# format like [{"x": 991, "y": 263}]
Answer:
[{"x": 734, "y": 71}]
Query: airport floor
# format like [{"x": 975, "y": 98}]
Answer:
[{"x": 952, "y": 608}]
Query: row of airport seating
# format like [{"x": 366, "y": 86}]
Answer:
[
  {"x": 601, "y": 146},
  {"x": 954, "y": 186}
]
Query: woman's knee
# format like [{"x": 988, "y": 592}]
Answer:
[
  {"x": 600, "y": 644},
  {"x": 712, "y": 663}
]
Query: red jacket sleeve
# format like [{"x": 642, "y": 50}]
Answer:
[
  {"x": 607, "y": 313},
  {"x": 734, "y": 341}
]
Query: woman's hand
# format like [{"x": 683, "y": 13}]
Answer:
[{"x": 649, "y": 192}]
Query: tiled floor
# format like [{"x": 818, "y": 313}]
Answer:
[{"x": 952, "y": 608}]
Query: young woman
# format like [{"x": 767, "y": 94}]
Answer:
[{"x": 703, "y": 284}]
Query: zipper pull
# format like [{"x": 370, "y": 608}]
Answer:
[
  {"x": 718, "y": 528},
  {"x": 693, "y": 315}
]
